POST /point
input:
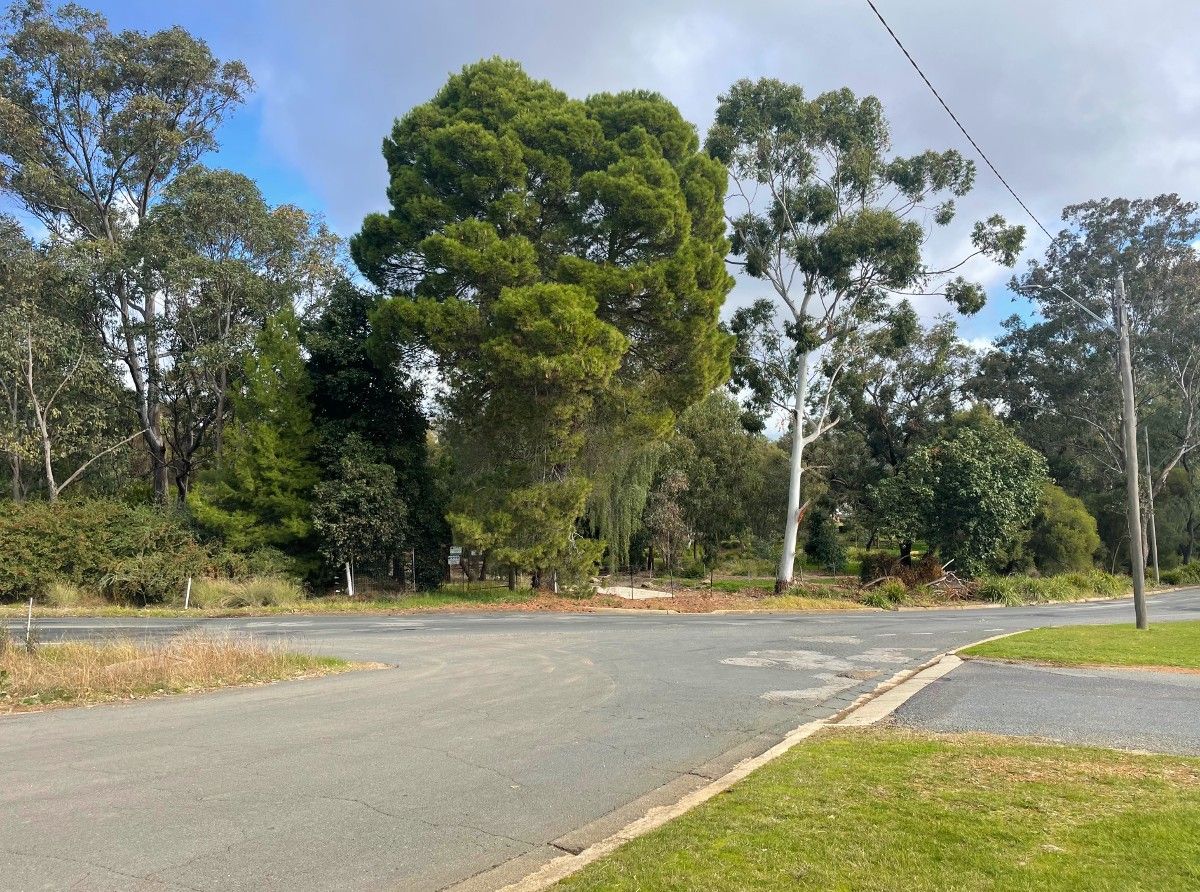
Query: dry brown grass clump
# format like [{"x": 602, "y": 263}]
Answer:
[{"x": 80, "y": 673}]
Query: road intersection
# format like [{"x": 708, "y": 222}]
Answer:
[{"x": 493, "y": 739}]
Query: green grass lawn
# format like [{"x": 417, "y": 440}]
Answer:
[
  {"x": 1175, "y": 644},
  {"x": 879, "y": 810}
]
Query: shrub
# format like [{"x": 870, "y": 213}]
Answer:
[
  {"x": 886, "y": 596},
  {"x": 822, "y": 544},
  {"x": 1016, "y": 590},
  {"x": 265, "y": 561},
  {"x": 1064, "y": 536},
  {"x": 1188, "y": 574},
  {"x": 969, "y": 494},
  {"x": 877, "y": 564},
  {"x": 135, "y": 553},
  {"x": 258, "y": 591}
]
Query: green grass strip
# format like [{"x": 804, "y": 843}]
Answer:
[{"x": 1173, "y": 644}]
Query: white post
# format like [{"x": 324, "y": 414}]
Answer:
[
  {"x": 29, "y": 625},
  {"x": 349, "y": 580},
  {"x": 187, "y": 594}
]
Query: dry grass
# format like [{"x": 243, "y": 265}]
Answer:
[{"x": 82, "y": 673}]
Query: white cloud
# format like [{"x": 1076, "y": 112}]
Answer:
[{"x": 1072, "y": 99}]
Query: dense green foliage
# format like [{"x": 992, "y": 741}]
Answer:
[
  {"x": 260, "y": 493},
  {"x": 561, "y": 263},
  {"x": 367, "y": 407},
  {"x": 969, "y": 494},
  {"x": 132, "y": 553},
  {"x": 357, "y": 510},
  {"x": 1064, "y": 537},
  {"x": 822, "y": 545},
  {"x": 535, "y": 367}
]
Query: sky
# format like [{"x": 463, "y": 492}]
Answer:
[{"x": 1072, "y": 99}]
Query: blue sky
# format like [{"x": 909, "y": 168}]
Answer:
[{"x": 1074, "y": 99}]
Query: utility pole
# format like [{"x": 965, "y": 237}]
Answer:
[
  {"x": 1150, "y": 505},
  {"x": 1133, "y": 506}
]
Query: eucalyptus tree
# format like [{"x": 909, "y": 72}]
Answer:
[
  {"x": 1055, "y": 376},
  {"x": 61, "y": 394},
  {"x": 909, "y": 381},
  {"x": 824, "y": 213},
  {"x": 560, "y": 265},
  {"x": 220, "y": 262},
  {"x": 93, "y": 126}
]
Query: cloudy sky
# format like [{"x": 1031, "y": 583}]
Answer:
[{"x": 1073, "y": 99}]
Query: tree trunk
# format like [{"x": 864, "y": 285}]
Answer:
[
  {"x": 512, "y": 579},
  {"x": 39, "y": 415},
  {"x": 787, "y": 560},
  {"x": 906, "y": 552},
  {"x": 14, "y": 462}
]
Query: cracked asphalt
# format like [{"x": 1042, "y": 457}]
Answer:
[{"x": 494, "y": 743}]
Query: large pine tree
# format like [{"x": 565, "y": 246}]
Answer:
[{"x": 260, "y": 493}]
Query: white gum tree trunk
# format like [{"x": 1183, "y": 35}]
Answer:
[{"x": 787, "y": 560}]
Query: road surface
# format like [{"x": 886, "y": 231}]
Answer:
[
  {"x": 496, "y": 739},
  {"x": 1121, "y": 708}
]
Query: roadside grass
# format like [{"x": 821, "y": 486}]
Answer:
[
  {"x": 228, "y": 602},
  {"x": 1013, "y": 591},
  {"x": 273, "y": 595},
  {"x": 890, "y": 809},
  {"x": 1174, "y": 645},
  {"x": 86, "y": 673}
]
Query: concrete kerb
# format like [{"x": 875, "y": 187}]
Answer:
[{"x": 868, "y": 709}]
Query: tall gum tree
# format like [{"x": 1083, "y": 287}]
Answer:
[
  {"x": 93, "y": 126},
  {"x": 513, "y": 207},
  {"x": 823, "y": 212},
  {"x": 1055, "y": 376}
]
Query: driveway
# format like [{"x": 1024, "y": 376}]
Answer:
[
  {"x": 1121, "y": 708},
  {"x": 494, "y": 739}
]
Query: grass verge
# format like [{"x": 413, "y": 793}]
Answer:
[
  {"x": 85, "y": 673},
  {"x": 886, "y": 809},
  {"x": 1174, "y": 645}
]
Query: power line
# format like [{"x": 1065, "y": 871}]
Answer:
[{"x": 955, "y": 119}]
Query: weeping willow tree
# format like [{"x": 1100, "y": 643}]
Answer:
[{"x": 621, "y": 486}]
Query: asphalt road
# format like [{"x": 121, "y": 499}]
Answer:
[
  {"x": 1126, "y": 709},
  {"x": 495, "y": 739}
]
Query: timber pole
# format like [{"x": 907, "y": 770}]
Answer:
[{"x": 1133, "y": 506}]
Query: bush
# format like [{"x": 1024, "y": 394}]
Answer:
[
  {"x": 877, "y": 564},
  {"x": 1188, "y": 574},
  {"x": 258, "y": 591},
  {"x": 887, "y": 596},
  {"x": 133, "y": 553},
  {"x": 1064, "y": 536},
  {"x": 1013, "y": 591},
  {"x": 265, "y": 561},
  {"x": 822, "y": 545}
]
